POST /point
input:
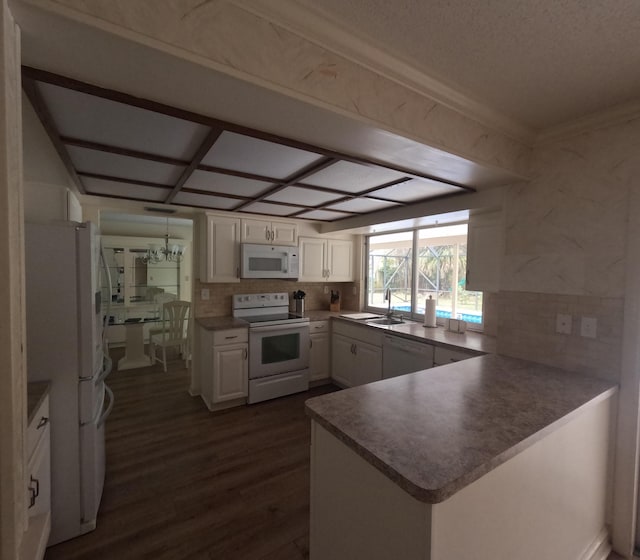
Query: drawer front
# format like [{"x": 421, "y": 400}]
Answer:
[
  {"x": 318, "y": 327},
  {"x": 370, "y": 335},
  {"x": 39, "y": 477},
  {"x": 232, "y": 336},
  {"x": 37, "y": 427},
  {"x": 444, "y": 356}
]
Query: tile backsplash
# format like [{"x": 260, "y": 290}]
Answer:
[
  {"x": 219, "y": 302},
  {"x": 527, "y": 330}
]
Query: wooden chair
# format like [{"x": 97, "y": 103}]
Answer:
[
  {"x": 173, "y": 331},
  {"x": 158, "y": 310}
]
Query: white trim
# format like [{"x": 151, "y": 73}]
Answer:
[
  {"x": 600, "y": 548},
  {"x": 600, "y": 119},
  {"x": 315, "y": 26}
]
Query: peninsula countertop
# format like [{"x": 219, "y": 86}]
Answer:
[{"x": 436, "y": 431}]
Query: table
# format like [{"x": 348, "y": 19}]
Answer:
[{"x": 134, "y": 354}]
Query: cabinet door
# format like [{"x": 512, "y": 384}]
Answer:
[
  {"x": 284, "y": 233},
  {"x": 312, "y": 259},
  {"x": 256, "y": 231},
  {"x": 342, "y": 359},
  {"x": 220, "y": 250},
  {"x": 230, "y": 372},
  {"x": 319, "y": 356},
  {"x": 367, "y": 363},
  {"x": 340, "y": 260},
  {"x": 485, "y": 247}
]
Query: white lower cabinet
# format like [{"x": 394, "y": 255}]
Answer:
[
  {"x": 230, "y": 372},
  {"x": 38, "y": 479},
  {"x": 223, "y": 367},
  {"x": 319, "y": 350},
  {"x": 354, "y": 361}
]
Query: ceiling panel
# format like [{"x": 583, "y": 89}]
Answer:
[
  {"x": 415, "y": 189},
  {"x": 206, "y": 201},
  {"x": 273, "y": 209},
  {"x": 306, "y": 197},
  {"x": 226, "y": 184},
  {"x": 124, "y": 190},
  {"x": 265, "y": 158},
  {"x": 352, "y": 177},
  {"x": 79, "y": 115},
  {"x": 132, "y": 143},
  {"x": 362, "y": 205},
  {"x": 323, "y": 215},
  {"x": 125, "y": 167}
]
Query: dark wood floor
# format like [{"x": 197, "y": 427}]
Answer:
[{"x": 183, "y": 482}]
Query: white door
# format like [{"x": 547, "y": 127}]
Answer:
[
  {"x": 367, "y": 363},
  {"x": 230, "y": 372},
  {"x": 312, "y": 259},
  {"x": 340, "y": 260},
  {"x": 284, "y": 233},
  {"x": 256, "y": 231},
  {"x": 220, "y": 250},
  {"x": 342, "y": 359},
  {"x": 319, "y": 356}
]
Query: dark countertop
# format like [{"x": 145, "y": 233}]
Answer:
[
  {"x": 472, "y": 341},
  {"x": 221, "y": 323},
  {"x": 436, "y": 431},
  {"x": 36, "y": 391},
  {"x": 412, "y": 330}
]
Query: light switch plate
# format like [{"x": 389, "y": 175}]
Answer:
[
  {"x": 588, "y": 327},
  {"x": 563, "y": 323}
]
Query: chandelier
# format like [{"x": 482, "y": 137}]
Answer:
[{"x": 171, "y": 253}]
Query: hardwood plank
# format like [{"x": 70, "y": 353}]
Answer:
[{"x": 183, "y": 482}]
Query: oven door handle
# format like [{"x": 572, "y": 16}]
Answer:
[{"x": 289, "y": 327}]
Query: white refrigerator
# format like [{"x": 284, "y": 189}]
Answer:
[{"x": 65, "y": 323}]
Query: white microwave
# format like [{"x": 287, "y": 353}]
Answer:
[{"x": 268, "y": 261}]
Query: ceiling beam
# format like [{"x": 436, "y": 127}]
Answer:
[
  {"x": 203, "y": 150},
  {"x": 97, "y": 146},
  {"x": 33, "y": 94}
]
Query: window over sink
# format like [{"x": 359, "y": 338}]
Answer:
[{"x": 415, "y": 264}]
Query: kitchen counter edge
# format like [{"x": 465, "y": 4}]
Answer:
[{"x": 418, "y": 447}]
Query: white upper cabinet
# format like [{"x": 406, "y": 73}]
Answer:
[
  {"x": 326, "y": 260},
  {"x": 269, "y": 232},
  {"x": 485, "y": 247},
  {"x": 220, "y": 249}
]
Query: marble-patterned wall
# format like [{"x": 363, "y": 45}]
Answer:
[
  {"x": 565, "y": 250},
  {"x": 235, "y": 40},
  {"x": 219, "y": 302}
]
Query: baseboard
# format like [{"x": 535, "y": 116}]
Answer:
[{"x": 600, "y": 548}]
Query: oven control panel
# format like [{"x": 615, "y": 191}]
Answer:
[{"x": 249, "y": 301}]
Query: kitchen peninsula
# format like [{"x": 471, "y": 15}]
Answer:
[{"x": 488, "y": 458}]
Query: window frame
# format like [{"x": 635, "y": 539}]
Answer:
[{"x": 415, "y": 243}]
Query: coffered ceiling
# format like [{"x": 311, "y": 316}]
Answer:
[{"x": 117, "y": 145}]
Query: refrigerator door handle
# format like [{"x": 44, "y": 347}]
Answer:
[
  {"x": 108, "y": 366},
  {"x": 107, "y": 412}
]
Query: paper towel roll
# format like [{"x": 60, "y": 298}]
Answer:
[{"x": 430, "y": 312}]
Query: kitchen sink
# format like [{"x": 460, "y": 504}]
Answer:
[{"x": 387, "y": 321}]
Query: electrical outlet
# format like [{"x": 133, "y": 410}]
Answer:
[
  {"x": 326, "y": 289},
  {"x": 563, "y": 323},
  {"x": 204, "y": 293},
  {"x": 588, "y": 326},
  {"x": 355, "y": 290}
]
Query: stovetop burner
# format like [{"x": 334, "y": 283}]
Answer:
[{"x": 265, "y": 309}]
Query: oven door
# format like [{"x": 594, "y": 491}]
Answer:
[{"x": 278, "y": 349}]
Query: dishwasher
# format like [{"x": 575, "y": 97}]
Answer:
[{"x": 400, "y": 356}]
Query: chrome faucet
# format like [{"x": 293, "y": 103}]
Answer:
[{"x": 387, "y": 297}]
